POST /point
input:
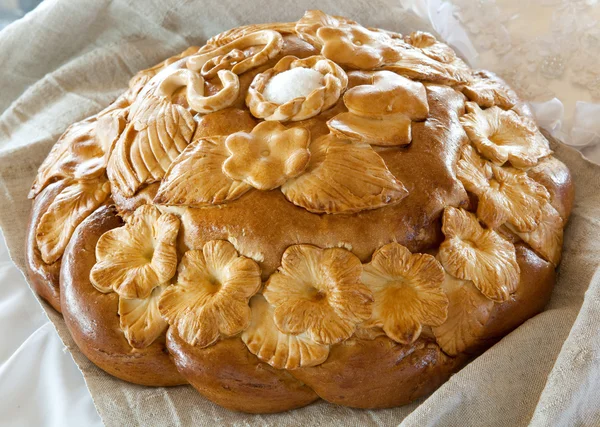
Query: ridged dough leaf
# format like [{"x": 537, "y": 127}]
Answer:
[
  {"x": 468, "y": 312},
  {"x": 140, "y": 319},
  {"x": 280, "y": 350},
  {"x": 72, "y": 205},
  {"x": 158, "y": 132},
  {"x": 343, "y": 177},
  {"x": 196, "y": 178}
]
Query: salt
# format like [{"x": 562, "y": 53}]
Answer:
[{"x": 291, "y": 84}]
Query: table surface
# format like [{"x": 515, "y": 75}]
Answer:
[{"x": 39, "y": 382}]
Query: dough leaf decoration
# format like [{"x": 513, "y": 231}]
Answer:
[
  {"x": 140, "y": 319},
  {"x": 343, "y": 177},
  {"x": 278, "y": 349},
  {"x": 197, "y": 179},
  {"x": 70, "y": 207},
  {"x": 83, "y": 150},
  {"x": 468, "y": 312},
  {"x": 158, "y": 132},
  {"x": 471, "y": 252}
]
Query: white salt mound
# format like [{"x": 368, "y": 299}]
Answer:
[{"x": 294, "y": 83}]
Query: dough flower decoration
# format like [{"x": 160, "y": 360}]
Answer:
[
  {"x": 134, "y": 259},
  {"x": 483, "y": 256},
  {"x": 486, "y": 90},
  {"x": 268, "y": 156},
  {"x": 309, "y": 24},
  {"x": 210, "y": 298},
  {"x": 278, "y": 349},
  {"x": 354, "y": 46},
  {"x": 318, "y": 292},
  {"x": 336, "y": 176},
  {"x": 431, "y": 47},
  {"x": 504, "y": 136},
  {"x": 162, "y": 123},
  {"x": 296, "y": 89},
  {"x": 504, "y": 194},
  {"x": 346, "y": 42},
  {"x": 407, "y": 292},
  {"x": 381, "y": 109},
  {"x": 140, "y": 319}
]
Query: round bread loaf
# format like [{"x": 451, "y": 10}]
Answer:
[{"x": 298, "y": 211}]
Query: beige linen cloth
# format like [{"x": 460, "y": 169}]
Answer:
[{"x": 70, "y": 58}]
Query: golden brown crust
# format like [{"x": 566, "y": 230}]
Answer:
[
  {"x": 44, "y": 278},
  {"x": 129, "y": 204},
  {"x": 477, "y": 323},
  {"x": 224, "y": 122},
  {"x": 92, "y": 316},
  {"x": 379, "y": 373},
  {"x": 532, "y": 295},
  {"x": 229, "y": 375},
  {"x": 311, "y": 209},
  {"x": 414, "y": 222},
  {"x": 556, "y": 177}
]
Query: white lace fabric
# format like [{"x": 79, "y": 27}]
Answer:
[{"x": 547, "y": 50}]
